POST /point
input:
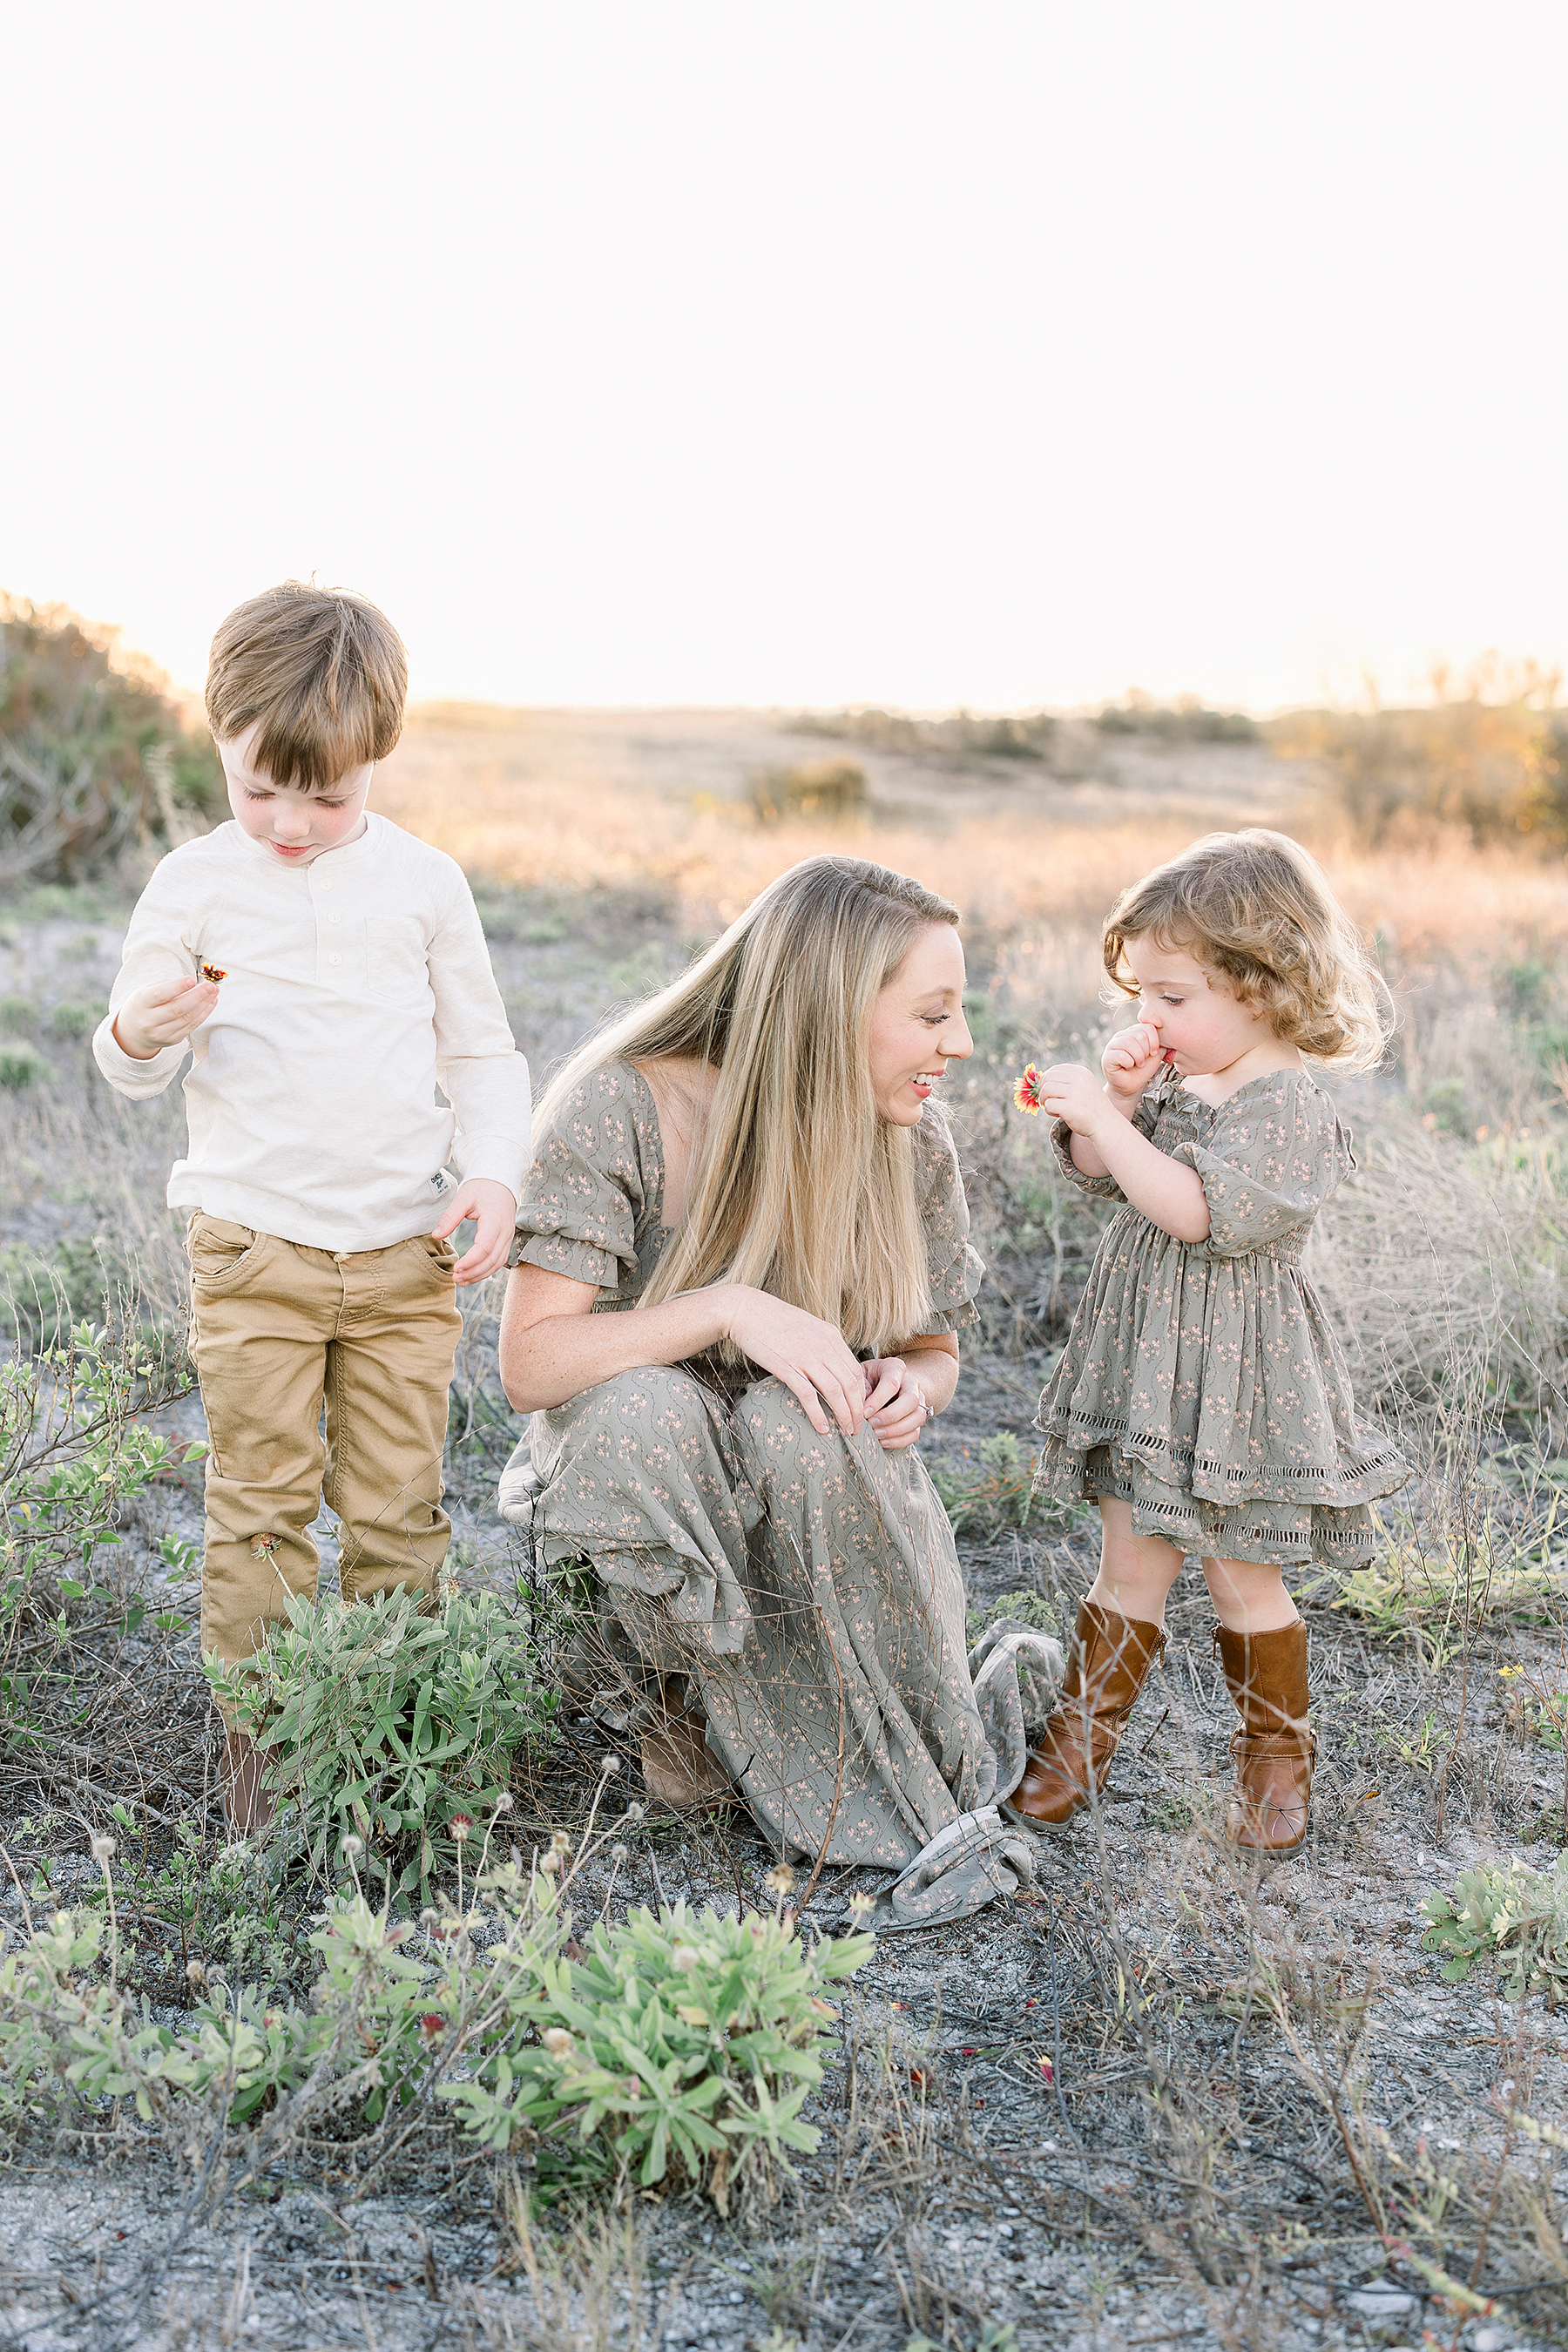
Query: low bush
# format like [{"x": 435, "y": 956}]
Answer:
[
  {"x": 20, "y": 1064},
  {"x": 1488, "y": 755},
  {"x": 389, "y": 1724},
  {"x": 825, "y": 792},
  {"x": 674, "y": 2047},
  {"x": 1511, "y": 1913},
  {"x": 963, "y": 734},
  {"x": 987, "y": 1490},
  {"x": 74, "y": 1450},
  {"x": 93, "y": 751}
]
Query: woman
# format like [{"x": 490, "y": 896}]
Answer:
[{"x": 749, "y": 1161}]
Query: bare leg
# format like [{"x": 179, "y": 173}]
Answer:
[
  {"x": 1136, "y": 1572},
  {"x": 1248, "y": 1598}
]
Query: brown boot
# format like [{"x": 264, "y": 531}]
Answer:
[
  {"x": 1276, "y": 1746},
  {"x": 248, "y": 1802},
  {"x": 1109, "y": 1664},
  {"x": 678, "y": 1767}
]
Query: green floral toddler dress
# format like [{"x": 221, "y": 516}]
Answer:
[{"x": 1201, "y": 1381}]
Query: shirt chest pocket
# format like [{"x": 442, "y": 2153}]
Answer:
[{"x": 396, "y": 965}]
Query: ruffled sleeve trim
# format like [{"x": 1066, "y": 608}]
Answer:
[
  {"x": 586, "y": 1190},
  {"x": 1105, "y": 1188},
  {"x": 1274, "y": 1152}
]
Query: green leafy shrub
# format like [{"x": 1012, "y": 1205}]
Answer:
[
  {"x": 17, "y": 1015},
  {"x": 989, "y": 1489},
  {"x": 74, "y": 1448},
  {"x": 72, "y": 1020},
  {"x": 1516, "y": 1914},
  {"x": 93, "y": 749},
  {"x": 388, "y": 1724},
  {"x": 1021, "y": 1607},
  {"x": 20, "y": 1064},
  {"x": 676, "y": 2047}
]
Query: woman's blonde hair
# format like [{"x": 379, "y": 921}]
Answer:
[
  {"x": 798, "y": 1185},
  {"x": 1256, "y": 909}
]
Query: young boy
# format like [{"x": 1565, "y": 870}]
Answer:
[{"x": 326, "y": 973}]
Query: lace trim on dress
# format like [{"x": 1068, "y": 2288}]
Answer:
[{"x": 1081, "y": 1431}]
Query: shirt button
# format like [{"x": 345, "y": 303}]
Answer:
[
  {"x": 334, "y": 959},
  {"x": 335, "y": 917},
  {"x": 323, "y": 882}
]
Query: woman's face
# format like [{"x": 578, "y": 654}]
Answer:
[{"x": 918, "y": 1025}]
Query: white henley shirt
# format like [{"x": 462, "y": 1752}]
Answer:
[{"x": 354, "y": 987}]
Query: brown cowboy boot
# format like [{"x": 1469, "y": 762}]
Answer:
[
  {"x": 1109, "y": 1664},
  {"x": 1276, "y": 1746},
  {"x": 248, "y": 1802}
]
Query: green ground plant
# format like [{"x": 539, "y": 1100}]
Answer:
[
  {"x": 75, "y": 1449},
  {"x": 1510, "y": 1912},
  {"x": 987, "y": 1488},
  {"x": 674, "y": 2047},
  {"x": 389, "y": 1724}
]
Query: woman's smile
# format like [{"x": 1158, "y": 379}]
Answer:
[{"x": 925, "y": 1081}]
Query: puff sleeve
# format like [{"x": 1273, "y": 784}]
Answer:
[
  {"x": 1268, "y": 1165},
  {"x": 954, "y": 1270},
  {"x": 1104, "y": 1188},
  {"x": 582, "y": 1195}
]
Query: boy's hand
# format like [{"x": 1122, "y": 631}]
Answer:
[
  {"x": 1132, "y": 1060},
  {"x": 494, "y": 1211},
  {"x": 159, "y": 1016},
  {"x": 1071, "y": 1092}
]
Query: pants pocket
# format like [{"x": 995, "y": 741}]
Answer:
[{"x": 221, "y": 1254}]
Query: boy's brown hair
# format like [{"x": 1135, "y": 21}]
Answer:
[{"x": 324, "y": 672}]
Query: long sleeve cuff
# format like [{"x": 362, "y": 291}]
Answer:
[
  {"x": 499, "y": 1159},
  {"x": 124, "y": 1072}
]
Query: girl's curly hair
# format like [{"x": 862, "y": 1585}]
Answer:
[{"x": 1254, "y": 908}]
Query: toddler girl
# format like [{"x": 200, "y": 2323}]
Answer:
[{"x": 1202, "y": 1398}]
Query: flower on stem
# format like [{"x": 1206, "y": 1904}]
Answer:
[
  {"x": 609, "y": 1765},
  {"x": 561, "y": 1843},
  {"x": 352, "y": 1847},
  {"x": 619, "y": 1853},
  {"x": 685, "y": 1957},
  {"x": 462, "y": 1827},
  {"x": 550, "y": 1864},
  {"x": 780, "y": 1879},
  {"x": 559, "y": 2042},
  {"x": 861, "y": 1904},
  {"x": 503, "y": 1802},
  {"x": 431, "y": 2026},
  {"x": 633, "y": 1812},
  {"x": 1027, "y": 1093},
  {"x": 104, "y": 1849}
]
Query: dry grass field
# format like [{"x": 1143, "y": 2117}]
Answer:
[{"x": 1166, "y": 2098}]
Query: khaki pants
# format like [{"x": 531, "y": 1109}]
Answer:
[{"x": 279, "y": 1329}]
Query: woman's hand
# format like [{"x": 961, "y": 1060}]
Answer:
[
  {"x": 811, "y": 1358},
  {"x": 896, "y": 1404},
  {"x": 1131, "y": 1062}
]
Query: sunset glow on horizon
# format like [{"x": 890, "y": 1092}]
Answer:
[{"x": 904, "y": 355}]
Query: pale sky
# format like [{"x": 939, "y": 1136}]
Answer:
[{"x": 856, "y": 351}]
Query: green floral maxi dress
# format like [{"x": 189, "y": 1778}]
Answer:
[
  {"x": 808, "y": 1585},
  {"x": 1201, "y": 1381}
]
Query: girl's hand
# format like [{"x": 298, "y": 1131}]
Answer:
[
  {"x": 1133, "y": 1060},
  {"x": 494, "y": 1213},
  {"x": 896, "y": 1407},
  {"x": 159, "y": 1016},
  {"x": 811, "y": 1358},
  {"x": 1071, "y": 1092}
]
